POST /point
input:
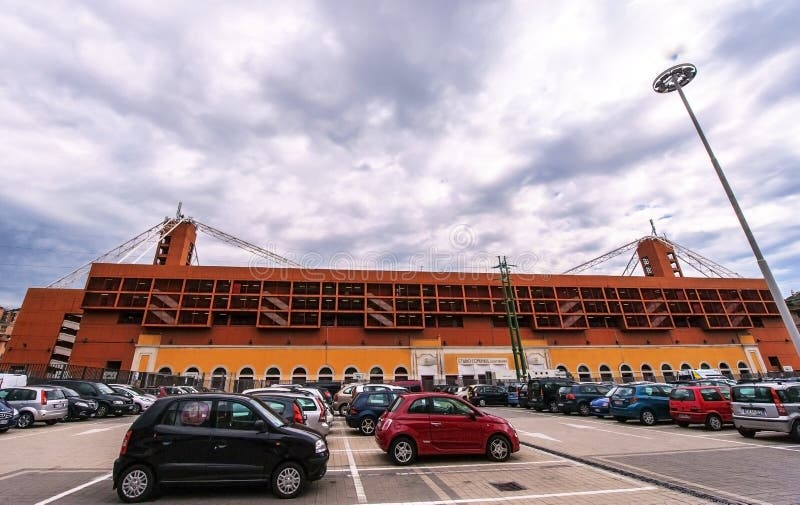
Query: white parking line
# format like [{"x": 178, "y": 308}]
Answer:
[
  {"x": 354, "y": 450},
  {"x": 98, "y": 430},
  {"x": 586, "y": 427},
  {"x": 539, "y": 435},
  {"x": 524, "y": 497},
  {"x": 360, "y": 494},
  {"x": 494, "y": 466},
  {"x": 75, "y": 489}
]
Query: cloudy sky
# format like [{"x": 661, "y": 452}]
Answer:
[{"x": 405, "y": 134}]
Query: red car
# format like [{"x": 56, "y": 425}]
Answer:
[
  {"x": 418, "y": 424},
  {"x": 709, "y": 405}
]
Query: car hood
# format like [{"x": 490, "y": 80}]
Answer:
[
  {"x": 495, "y": 419},
  {"x": 301, "y": 430}
]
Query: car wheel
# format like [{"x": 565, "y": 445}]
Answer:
[
  {"x": 136, "y": 484},
  {"x": 137, "y": 409},
  {"x": 482, "y": 402},
  {"x": 583, "y": 409},
  {"x": 343, "y": 409},
  {"x": 553, "y": 406},
  {"x": 102, "y": 410},
  {"x": 25, "y": 420},
  {"x": 620, "y": 419},
  {"x": 683, "y": 425},
  {"x": 403, "y": 451},
  {"x": 795, "y": 433},
  {"x": 647, "y": 417},
  {"x": 367, "y": 425},
  {"x": 747, "y": 433},
  {"x": 714, "y": 422},
  {"x": 498, "y": 448},
  {"x": 288, "y": 480},
  {"x": 51, "y": 422}
]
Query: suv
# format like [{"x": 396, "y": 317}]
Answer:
[
  {"x": 79, "y": 408},
  {"x": 367, "y": 407},
  {"x": 770, "y": 406},
  {"x": 649, "y": 403},
  {"x": 578, "y": 397},
  {"x": 486, "y": 394},
  {"x": 108, "y": 402},
  {"x": 709, "y": 405},
  {"x": 543, "y": 392},
  {"x": 36, "y": 403},
  {"x": 217, "y": 438}
]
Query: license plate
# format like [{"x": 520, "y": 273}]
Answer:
[
  {"x": 617, "y": 402},
  {"x": 3, "y": 422},
  {"x": 753, "y": 412},
  {"x": 683, "y": 416}
]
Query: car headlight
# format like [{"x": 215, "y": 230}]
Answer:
[
  {"x": 320, "y": 446},
  {"x": 81, "y": 404},
  {"x": 117, "y": 402}
]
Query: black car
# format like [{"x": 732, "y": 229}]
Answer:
[
  {"x": 486, "y": 394},
  {"x": 578, "y": 397},
  {"x": 216, "y": 438},
  {"x": 543, "y": 392},
  {"x": 8, "y": 416},
  {"x": 367, "y": 407},
  {"x": 79, "y": 408},
  {"x": 108, "y": 402}
]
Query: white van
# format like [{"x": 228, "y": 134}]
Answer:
[{"x": 13, "y": 380}]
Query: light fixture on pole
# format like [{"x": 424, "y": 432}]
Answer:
[{"x": 675, "y": 78}]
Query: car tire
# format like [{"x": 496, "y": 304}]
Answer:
[
  {"x": 102, "y": 410},
  {"x": 647, "y": 417},
  {"x": 714, "y": 422},
  {"x": 343, "y": 409},
  {"x": 583, "y": 409},
  {"x": 367, "y": 425},
  {"x": 537, "y": 409},
  {"x": 25, "y": 420},
  {"x": 288, "y": 480},
  {"x": 136, "y": 484},
  {"x": 795, "y": 433},
  {"x": 403, "y": 451},
  {"x": 747, "y": 433},
  {"x": 683, "y": 425},
  {"x": 498, "y": 448},
  {"x": 137, "y": 409},
  {"x": 620, "y": 419},
  {"x": 51, "y": 422}
]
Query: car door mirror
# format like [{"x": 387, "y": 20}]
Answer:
[
  {"x": 260, "y": 426},
  {"x": 472, "y": 416}
]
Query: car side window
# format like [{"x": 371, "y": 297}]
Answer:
[
  {"x": 190, "y": 413},
  {"x": 380, "y": 399},
  {"x": 278, "y": 407},
  {"x": 710, "y": 395},
  {"x": 444, "y": 406},
  {"x": 232, "y": 415},
  {"x": 85, "y": 389},
  {"x": 418, "y": 407},
  {"x": 28, "y": 394},
  {"x": 793, "y": 395}
]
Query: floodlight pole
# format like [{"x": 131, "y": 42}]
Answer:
[{"x": 675, "y": 78}]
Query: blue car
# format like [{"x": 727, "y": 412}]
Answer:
[
  {"x": 649, "y": 403},
  {"x": 8, "y": 416},
  {"x": 513, "y": 396},
  {"x": 599, "y": 406}
]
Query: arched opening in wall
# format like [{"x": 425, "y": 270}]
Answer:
[
  {"x": 605, "y": 373},
  {"x": 273, "y": 376},
  {"x": 725, "y": 370},
  {"x": 584, "y": 375},
  {"x": 626, "y": 372},
  {"x": 705, "y": 366},
  {"x": 400, "y": 374},
  {"x": 666, "y": 371},
  {"x": 192, "y": 372},
  {"x": 299, "y": 375},
  {"x": 245, "y": 380},
  {"x": 647, "y": 373},
  {"x": 744, "y": 370},
  {"x": 325, "y": 374},
  {"x": 376, "y": 375},
  {"x": 561, "y": 368},
  {"x": 349, "y": 373},
  {"x": 686, "y": 366},
  {"x": 165, "y": 370},
  {"x": 218, "y": 378}
]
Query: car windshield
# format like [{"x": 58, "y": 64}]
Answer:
[
  {"x": 612, "y": 391},
  {"x": 270, "y": 415},
  {"x": 104, "y": 389},
  {"x": 138, "y": 391}
]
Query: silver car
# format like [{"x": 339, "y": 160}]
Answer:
[
  {"x": 766, "y": 406},
  {"x": 36, "y": 403},
  {"x": 313, "y": 408},
  {"x": 141, "y": 401}
]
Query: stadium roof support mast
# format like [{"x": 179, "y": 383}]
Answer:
[
  {"x": 674, "y": 79},
  {"x": 520, "y": 365}
]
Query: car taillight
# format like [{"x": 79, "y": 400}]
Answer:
[
  {"x": 297, "y": 414},
  {"x": 124, "y": 448},
  {"x": 778, "y": 403},
  {"x": 353, "y": 411},
  {"x": 570, "y": 396},
  {"x": 321, "y": 411},
  {"x": 44, "y": 397}
]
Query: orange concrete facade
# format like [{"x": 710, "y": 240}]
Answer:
[{"x": 291, "y": 323}]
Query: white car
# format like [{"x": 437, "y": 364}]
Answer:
[
  {"x": 292, "y": 388},
  {"x": 141, "y": 400}
]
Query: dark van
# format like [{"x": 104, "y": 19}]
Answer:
[{"x": 543, "y": 392}]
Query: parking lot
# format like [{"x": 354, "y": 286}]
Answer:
[{"x": 564, "y": 460}]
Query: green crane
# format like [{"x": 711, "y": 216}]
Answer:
[{"x": 510, "y": 300}]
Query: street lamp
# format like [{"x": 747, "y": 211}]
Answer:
[{"x": 675, "y": 78}]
